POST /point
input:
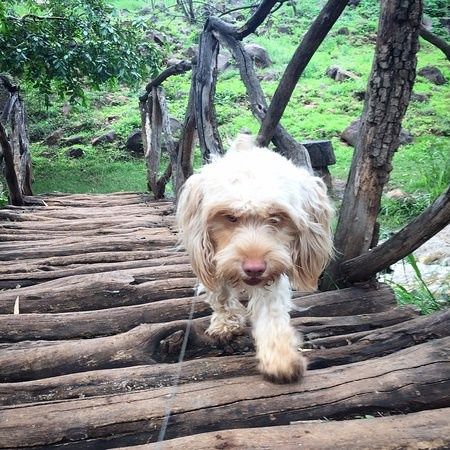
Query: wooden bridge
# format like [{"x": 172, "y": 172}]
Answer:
[{"x": 94, "y": 309}]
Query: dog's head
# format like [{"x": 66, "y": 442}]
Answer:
[{"x": 244, "y": 227}]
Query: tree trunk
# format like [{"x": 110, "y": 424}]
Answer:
[{"x": 387, "y": 98}]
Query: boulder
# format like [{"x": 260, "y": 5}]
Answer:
[
  {"x": 55, "y": 137},
  {"x": 432, "y": 74},
  {"x": 134, "y": 142},
  {"x": 350, "y": 134},
  {"x": 259, "y": 55},
  {"x": 75, "y": 153},
  {"x": 106, "y": 138},
  {"x": 343, "y": 31},
  {"x": 338, "y": 74},
  {"x": 172, "y": 61},
  {"x": 223, "y": 61},
  {"x": 73, "y": 140},
  {"x": 420, "y": 98}
]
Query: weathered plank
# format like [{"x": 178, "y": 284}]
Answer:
[
  {"x": 410, "y": 380},
  {"x": 161, "y": 342},
  {"x": 425, "y": 430}
]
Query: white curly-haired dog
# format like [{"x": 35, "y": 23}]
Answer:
[{"x": 252, "y": 221}]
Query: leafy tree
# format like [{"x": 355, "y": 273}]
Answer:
[{"x": 64, "y": 45}]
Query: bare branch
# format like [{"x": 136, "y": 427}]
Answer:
[
  {"x": 310, "y": 43},
  {"x": 435, "y": 40}
]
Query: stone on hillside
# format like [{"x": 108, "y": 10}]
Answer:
[
  {"x": 106, "y": 138},
  {"x": 359, "y": 95},
  {"x": 223, "y": 61},
  {"x": 173, "y": 61},
  {"x": 75, "y": 153},
  {"x": 350, "y": 134},
  {"x": 175, "y": 127},
  {"x": 343, "y": 31},
  {"x": 284, "y": 29},
  {"x": 73, "y": 140},
  {"x": 396, "y": 194},
  {"x": 338, "y": 74},
  {"x": 156, "y": 37},
  {"x": 55, "y": 137},
  {"x": 259, "y": 55},
  {"x": 270, "y": 75},
  {"x": 134, "y": 142},
  {"x": 445, "y": 23},
  {"x": 432, "y": 74},
  {"x": 420, "y": 98}
]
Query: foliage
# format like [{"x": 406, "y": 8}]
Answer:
[
  {"x": 63, "y": 45},
  {"x": 420, "y": 296}
]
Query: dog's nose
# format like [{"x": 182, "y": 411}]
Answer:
[{"x": 254, "y": 267}]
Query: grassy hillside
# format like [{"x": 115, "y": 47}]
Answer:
[{"x": 320, "y": 108}]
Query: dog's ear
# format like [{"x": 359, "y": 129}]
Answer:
[
  {"x": 313, "y": 245},
  {"x": 193, "y": 230}
]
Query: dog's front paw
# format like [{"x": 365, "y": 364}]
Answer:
[
  {"x": 283, "y": 368},
  {"x": 224, "y": 328}
]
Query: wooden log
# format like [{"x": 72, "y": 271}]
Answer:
[
  {"x": 43, "y": 273},
  {"x": 424, "y": 429},
  {"x": 437, "y": 41},
  {"x": 149, "y": 343},
  {"x": 124, "y": 379},
  {"x": 88, "y": 324},
  {"x": 95, "y": 244},
  {"x": 204, "y": 87},
  {"x": 86, "y": 259},
  {"x": 410, "y": 380},
  {"x": 95, "y": 291},
  {"x": 120, "y": 288},
  {"x": 86, "y": 224}
]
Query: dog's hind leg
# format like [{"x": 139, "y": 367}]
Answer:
[
  {"x": 229, "y": 316},
  {"x": 276, "y": 340}
]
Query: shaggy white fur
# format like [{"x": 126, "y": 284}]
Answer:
[{"x": 252, "y": 221}]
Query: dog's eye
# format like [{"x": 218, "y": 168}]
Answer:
[
  {"x": 274, "y": 220},
  {"x": 231, "y": 218}
]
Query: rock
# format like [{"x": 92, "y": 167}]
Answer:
[
  {"x": 73, "y": 140},
  {"x": 338, "y": 74},
  {"x": 223, "y": 61},
  {"x": 284, "y": 29},
  {"x": 175, "y": 127},
  {"x": 396, "y": 194},
  {"x": 173, "y": 61},
  {"x": 134, "y": 142},
  {"x": 145, "y": 11},
  {"x": 191, "y": 52},
  {"x": 259, "y": 55},
  {"x": 343, "y": 31},
  {"x": 445, "y": 23},
  {"x": 270, "y": 75},
  {"x": 156, "y": 37},
  {"x": 420, "y": 98},
  {"x": 106, "y": 138},
  {"x": 350, "y": 134},
  {"x": 432, "y": 74},
  {"x": 75, "y": 153},
  {"x": 359, "y": 95},
  {"x": 55, "y": 137}
]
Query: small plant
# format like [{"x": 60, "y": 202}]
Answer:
[{"x": 421, "y": 296}]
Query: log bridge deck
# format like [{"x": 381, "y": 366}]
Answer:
[{"x": 94, "y": 304}]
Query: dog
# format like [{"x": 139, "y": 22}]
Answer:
[{"x": 253, "y": 222}]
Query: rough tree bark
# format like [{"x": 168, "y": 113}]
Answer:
[
  {"x": 14, "y": 144},
  {"x": 388, "y": 93}
]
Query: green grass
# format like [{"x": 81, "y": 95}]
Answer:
[{"x": 319, "y": 109}]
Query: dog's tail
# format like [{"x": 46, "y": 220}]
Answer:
[{"x": 243, "y": 142}]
